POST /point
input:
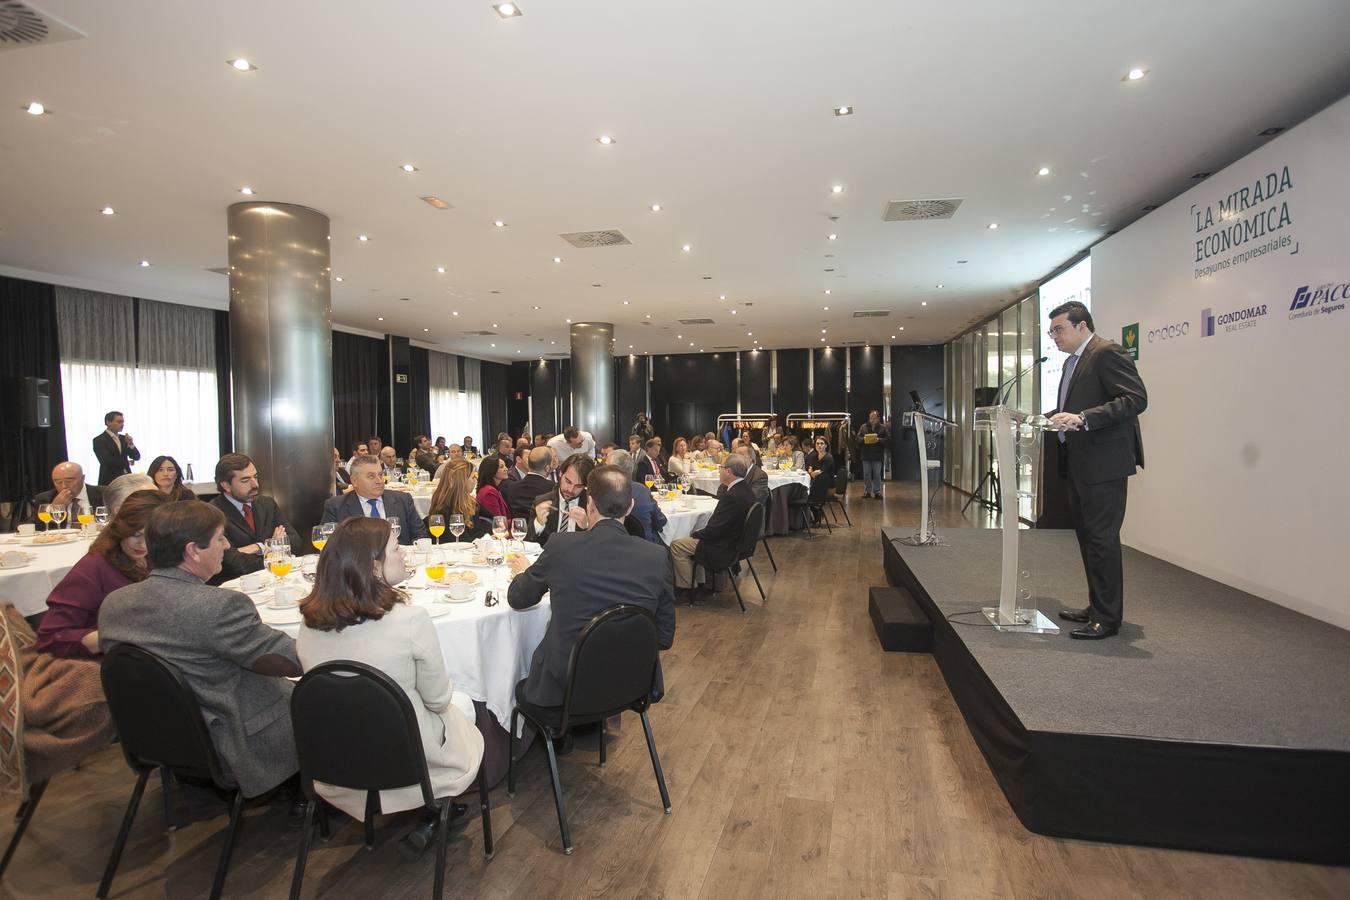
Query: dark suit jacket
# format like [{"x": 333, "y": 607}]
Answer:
[
  {"x": 396, "y": 505},
  {"x": 648, "y": 468},
  {"x": 426, "y": 461},
  {"x": 718, "y": 540},
  {"x": 520, "y": 495},
  {"x": 95, "y": 500},
  {"x": 551, "y": 525},
  {"x": 1107, "y": 392},
  {"x": 759, "y": 482},
  {"x": 266, "y": 518},
  {"x": 112, "y": 461},
  {"x": 586, "y": 573},
  {"x": 646, "y": 511}
]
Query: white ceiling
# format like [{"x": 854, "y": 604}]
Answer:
[{"x": 721, "y": 112}]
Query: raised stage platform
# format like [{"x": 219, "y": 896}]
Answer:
[{"x": 1214, "y": 721}]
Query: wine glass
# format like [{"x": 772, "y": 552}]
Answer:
[
  {"x": 518, "y": 529},
  {"x": 317, "y": 537},
  {"x": 85, "y": 517},
  {"x": 499, "y": 527},
  {"x": 495, "y": 551},
  {"x": 101, "y": 515},
  {"x": 456, "y": 526},
  {"x": 45, "y": 516},
  {"x": 279, "y": 563},
  {"x": 436, "y": 525},
  {"x": 395, "y": 526},
  {"x": 435, "y": 566},
  {"x": 58, "y": 515}
]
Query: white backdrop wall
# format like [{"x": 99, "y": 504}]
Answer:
[{"x": 1239, "y": 290}]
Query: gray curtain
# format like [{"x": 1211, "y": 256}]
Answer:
[
  {"x": 181, "y": 337},
  {"x": 95, "y": 327}
]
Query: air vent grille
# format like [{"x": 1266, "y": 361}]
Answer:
[
  {"x": 22, "y": 26},
  {"x": 920, "y": 210},
  {"x": 871, "y": 313},
  {"x": 696, "y": 322},
  {"x": 223, "y": 270},
  {"x": 479, "y": 333},
  {"x": 587, "y": 239},
  {"x": 727, "y": 347}
]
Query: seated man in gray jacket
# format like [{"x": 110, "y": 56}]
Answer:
[{"x": 234, "y": 663}]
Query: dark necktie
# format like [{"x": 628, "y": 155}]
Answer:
[
  {"x": 74, "y": 517},
  {"x": 248, "y": 517},
  {"x": 1069, "y": 365}
]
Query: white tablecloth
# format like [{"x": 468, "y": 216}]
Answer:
[
  {"x": 683, "y": 522},
  {"x": 704, "y": 480},
  {"x": 486, "y": 649},
  {"x": 27, "y": 587}
]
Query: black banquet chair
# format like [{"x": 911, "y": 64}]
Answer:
[
  {"x": 612, "y": 669},
  {"x": 838, "y": 495},
  {"x": 800, "y": 504},
  {"x": 356, "y": 728},
  {"x": 751, "y": 534},
  {"x": 160, "y": 724}
]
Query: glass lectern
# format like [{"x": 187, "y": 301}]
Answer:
[
  {"x": 927, "y": 427},
  {"x": 1017, "y": 448}
]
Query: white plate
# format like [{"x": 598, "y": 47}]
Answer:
[
  {"x": 272, "y": 616},
  {"x": 436, "y": 610}
]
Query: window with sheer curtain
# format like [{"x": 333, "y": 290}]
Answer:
[
  {"x": 456, "y": 405},
  {"x": 155, "y": 362}
]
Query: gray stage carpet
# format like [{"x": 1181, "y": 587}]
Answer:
[{"x": 1195, "y": 661}]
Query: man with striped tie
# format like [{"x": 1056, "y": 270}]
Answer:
[{"x": 1100, "y": 446}]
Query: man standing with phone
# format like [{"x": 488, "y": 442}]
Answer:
[{"x": 115, "y": 451}]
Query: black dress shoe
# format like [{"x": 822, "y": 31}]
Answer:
[
  {"x": 1074, "y": 615},
  {"x": 295, "y": 813},
  {"x": 413, "y": 844},
  {"x": 1094, "y": 631}
]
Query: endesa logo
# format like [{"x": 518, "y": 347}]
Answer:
[
  {"x": 1169, "y": 332},
  {"x": 1328, "y": 298},
  {"x": 1236, "y": 320}
]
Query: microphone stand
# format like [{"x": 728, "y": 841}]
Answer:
[{"x": 991, "y": 477}]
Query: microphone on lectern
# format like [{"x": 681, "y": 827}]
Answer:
[{"x": 1006, "y": 386}]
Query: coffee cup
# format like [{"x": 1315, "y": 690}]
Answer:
[
  {"x": 460, "y": 590},
  {"x": 253, "y": 581},
  {"x": 422, "y": 543},
  {"x": 27, "y": 530},
  {"x": 286, "y": 596},
  {"x": 12, "y": 559}
]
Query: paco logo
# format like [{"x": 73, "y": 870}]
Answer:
[{"x": 1327, "y": 298}]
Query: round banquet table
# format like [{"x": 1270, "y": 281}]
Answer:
[
  {"x": 27, "y": 587},
  {"x": 779, "y": 519},
  {"x": 681, "y": 522},
  {"x": 487, "y": 650}
]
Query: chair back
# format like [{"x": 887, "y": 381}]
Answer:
[
  {"x": 613, "y": 664},
  {"x": 633, "y": 525},
  {"x": 13, "y": 762},
  {"x": 356, "y": 728},
  {"x": 841, "y": 481},
  {"x": 750, "y": 534},
  {"x": 157, "y": 716}
]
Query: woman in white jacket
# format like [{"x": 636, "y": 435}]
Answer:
[{"x": 355, "y": 613}]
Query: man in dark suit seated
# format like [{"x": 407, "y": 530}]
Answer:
[
  {"x": 1100, "y": 399},
  {"x": 520, "y": 495},
  {"x": 115, "y": 451},
  {"x": 649, "y": 463},
  {"x": 250, "y": 517},
  {"x": 756, "y": 476},
  {"x": 425, "y": 455},
  {"x": 369, "y": 498},
  {"x": 563, "y": 509},
  {"x": 646, "y": 511},
  {"x": 714, "y": 545},
  {"x": 235, "y": 665},
  {"x": 585, "y": 573},
  {"x": 70, "y": 491}
]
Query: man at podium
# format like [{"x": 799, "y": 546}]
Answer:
[{"x": 1100, "y": 399}]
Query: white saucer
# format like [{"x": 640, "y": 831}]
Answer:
[{"x": 272, "y": 616}]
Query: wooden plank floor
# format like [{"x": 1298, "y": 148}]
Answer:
[{"x": 802, "y": 762}]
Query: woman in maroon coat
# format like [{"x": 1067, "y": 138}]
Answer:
[{"x": 491, "y": 473}]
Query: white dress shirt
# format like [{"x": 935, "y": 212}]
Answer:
[{"x": 559, "y": 445}]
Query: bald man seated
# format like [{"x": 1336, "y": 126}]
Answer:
[{"x": 70, "y": 491}]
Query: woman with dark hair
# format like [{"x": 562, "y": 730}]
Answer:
[
  {"x": 455, "y": 496},
  {"x": 820, "y": 466},
  {"x": 355, "y": 613},
  {"x": 169, "y": 478},
  {"x": 492, "y": 472},
  {"x": 65, "y": 713}
]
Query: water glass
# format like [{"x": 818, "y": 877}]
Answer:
[
  {"x": 101, "y": 516},
  {"x": 395, "y": 526},
  {"x": 518, "y": 529},
  {"x": 456, "y": 525},
  {"x": 499, "y": 527}
]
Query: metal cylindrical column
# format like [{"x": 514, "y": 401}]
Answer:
[
  {"x": 593, "y": 379},
  {"x": 281, "y": 352}
]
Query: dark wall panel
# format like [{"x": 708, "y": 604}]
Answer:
[
  {"x": 360, "y": 389},
  {"x": 564, "y": 395},
  {"x": 400, "y": 356},
  {"x": 419, "y": 385},
  {"x": 792, "y": 373},
  {"x": 631, "y": 395},
  {"x": 914, "y": 369},
  {"x": 828, "y": 394},
  {"x": 690, "y": 390},
  {"x": 756, "y": 393},
  {"x": 518, "y": 397},
  {"x": 866, "y": 365},
  {"x": 543, "y": 396},
  {"x": 495, "y": 377}
]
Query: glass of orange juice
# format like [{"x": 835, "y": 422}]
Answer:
[
  {"x": 45, "y": 516},
  {"x": 435, "y": 566},
  {"x": 279, "y": 564},
  {"x": 648, "y": 482},
  {"x": 318, "y": 537},
  {"x": 436, "y": 525}
]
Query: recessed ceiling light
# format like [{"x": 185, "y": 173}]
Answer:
[
  {"x": 440, "y": 270},
  {"x": 822, "y": 340},
  {"x": 1200, "y": 176},
  {"x": 892, "y": 337},
  {"x": 536, "y": 309},
  {"x": 630, "y": 346},
  {"x": 834, "y": 237},
  {"x": 691, "y": 343},
  {"x": 605, "y": 139},
  {"x": 493, "y": 345},
  {"x": 507, "y": 11},
  {"x": 494, "y": 324},
  {"x": 826, "y": 308},
  {"x": 246, "y": 191},
  {"x": 733, "y": 312},
  {"x": 145, "y": 264},
  {"x": 1135, "y": 74},
  {"x": 625, "y": 303},
  {"x": 35, "y": 108},
  {"x": 902, "y": 328},
  {"x": 822, "y": 331},
  {"x": 362, "y": 238},
  {"x": 993, "y": 226},
  {"x": 843, "y": 110},
  {"x": 923, "y": 303},
  {"x": 939, "y": 287},
  {"x": 107, "y": 210},
  {"x": 827, "y": 290},
  {"x": 241, "y": 65},
  {"x": 379, "y": 318},
  {"x": 837, "y": 189},
  {"x": 424, "y": 330},
  {"x": 749, "y": 334},
  {"x": 679, "y": 337},
  {"x": 339, "y": 278},
  {"x": 686, "y": 248},
  {"x": 568, "y": 321},
  {"x": 454, "y": 312},
  {"x": 553, "y": 342},
  {"x": 499, "y": 223},
  {"x": 721, "y": 296},
  {"x": 557, "y": 259},
  {"x": 408, "y": 167},
  {"x": 1269, "y": 132},
  {"x": 655, "y": 207},
  {"x": 648, "y": 316}
]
